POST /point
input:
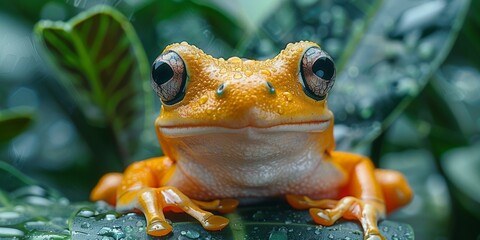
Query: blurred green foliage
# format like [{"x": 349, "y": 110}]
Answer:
[{"x": 406, "y": 92}]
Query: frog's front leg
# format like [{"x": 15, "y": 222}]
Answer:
[
  {"x": 142, "y": 189},
  {"x": 363, "y": 197}
]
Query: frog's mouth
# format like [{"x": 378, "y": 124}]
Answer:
[{"x": 181, "y": 131}]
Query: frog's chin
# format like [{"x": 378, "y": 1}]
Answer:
[{"x": 182, "y": 131}]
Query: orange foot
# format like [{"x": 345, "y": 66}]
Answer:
[
  {"x": 153, "y": 201},
  {"x": 327, "y": 212}
]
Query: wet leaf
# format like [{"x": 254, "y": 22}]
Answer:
[
  {"x": 270, "y": 220},
  {"x": 462, "y": 167},
  {"x": 13, "y": 122},
  {"x": 385, "y": 51},
  {"x": 105, "y": 69}
]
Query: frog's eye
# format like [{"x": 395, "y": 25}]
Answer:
[
  {"x": 317, "y": 73},
  {"x": 169, "y": 78}
]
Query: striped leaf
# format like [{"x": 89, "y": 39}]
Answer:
[{"x": 104, "y": 68}]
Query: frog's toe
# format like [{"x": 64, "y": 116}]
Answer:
[
  {"x": 322, "y": 217},
  {"x": 227, "y": 205},
  {"x": 158, "y": 228},
  {"x": 215, "y": 223}
]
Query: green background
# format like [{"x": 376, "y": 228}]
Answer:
[{"x": 406, "y": 92}]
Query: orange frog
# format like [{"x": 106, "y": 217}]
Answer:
[{"x": 243, "y": 128}]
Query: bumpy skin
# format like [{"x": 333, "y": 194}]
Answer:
[{"x": 262, "y": 136}]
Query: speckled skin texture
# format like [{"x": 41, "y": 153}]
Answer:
[
  {"x": 246, "y": 128},
  {"x": 246, "y": 100}
]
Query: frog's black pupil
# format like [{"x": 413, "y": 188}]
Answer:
[
  {"x": 324, "y": 68},
  {"x": 161, "y": 72}
]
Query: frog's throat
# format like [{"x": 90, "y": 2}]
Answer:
[{"x": 181, "y": 131}]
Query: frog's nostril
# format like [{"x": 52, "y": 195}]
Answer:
[
  {"x": 221, "y": 89},
  {"x": 270, "y": 87}
]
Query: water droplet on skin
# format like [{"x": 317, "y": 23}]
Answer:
[
  {"x": 265, "y": 72},
  {"x": 237, "y": 75},
  {"x": 139, "y": 224},
  {"x": 234, "y": 60},
  {"x": 110, "y": 217},
  {"x": 288, "y": 96},
  {"x": 330, "y": 236},
  {"x": 203, "y": 99},
  {"x": 248, "y": 73}
]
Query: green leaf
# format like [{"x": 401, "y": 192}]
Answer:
[
  {"x": 29, "y": 211},
  {"x": 386, "y": 51},
  {"x": 13, "y": 122},
  {"x": 269, "y": 220},
  {"x": 105, "y": 69}
]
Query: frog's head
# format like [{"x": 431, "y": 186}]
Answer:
[{"x": 202, "y": 94}]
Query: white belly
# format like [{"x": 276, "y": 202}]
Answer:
[{"x": 254, "y": 163}]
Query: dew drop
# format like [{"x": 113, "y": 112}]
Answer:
[
  {"x": 110, "y": 217},
  {"x": 128, "y": 229},
  {"x": 258, "y": 215},
  {"x": 234, "y": 60},
  {"x": 203, "y": 99},
  {"x": 85, "y": 213},
  {"x": 9, "y": 215},
  {"x": 237, "y": 226},
  {"x": 237, "y": 75},
  {"x": 265, "y": 72},
  {"x": 280, "y": 234},
  {"x": 10, "y": 232},
  {"x": 85, "y": 225},
  {"x": 115, "y": 232},
  {"x": 190, "y": 234},
  {"x": 288, "y": 96}
]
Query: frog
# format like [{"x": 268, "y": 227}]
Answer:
[{"x": 240, "y": 129}]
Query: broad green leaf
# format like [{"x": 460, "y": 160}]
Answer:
[
  {"x": 270, "y": 220},
  {"x": 386, "y": 51},
  {"x": 13, "y": 122},
  {"x": 28, "y": 211},
  {"x": 462, "y": 167},
  {"x": 105, "y": 69},
  {"x": 33, "y": 212},
  {"x": 198, "y": 22}
]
